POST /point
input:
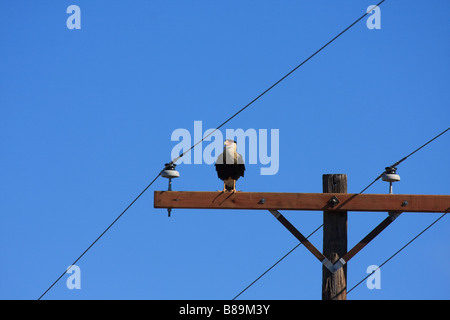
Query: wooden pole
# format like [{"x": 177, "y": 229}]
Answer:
[{"x": 334, "y": 285}]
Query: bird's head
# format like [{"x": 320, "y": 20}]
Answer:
[{"x": 229, "y": 143}]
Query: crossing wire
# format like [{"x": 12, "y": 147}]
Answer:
[
  {"x": 101, "y": 235},
  {"x": 404, "y": 158},
  {"x": 398, "y": 251},
  {"x": 279, "y": 260},
  {"x": 276, "y": 83}
]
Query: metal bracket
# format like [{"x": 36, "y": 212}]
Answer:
[
  {"x": 339, "y": 264},
  {"x": 333, "y": 267},
  {"x": 275, "y": 213},
  {"x": 394, "y": 215}
]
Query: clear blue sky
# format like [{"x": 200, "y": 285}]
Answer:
[{"x": 86, "y": 123}]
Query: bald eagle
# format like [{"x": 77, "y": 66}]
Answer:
[{"x": 229, "y": 166}]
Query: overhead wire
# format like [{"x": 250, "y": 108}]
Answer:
[
  {"x": 404, "y": 158},
  {"x": 398, "y": 251},
  {"x": 101, "y": 235},
  {"x": 276, "y": 83},
  {"x": 279, "y": 260}
]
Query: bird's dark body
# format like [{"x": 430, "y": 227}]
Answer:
[{"x": 229, "y": 171}]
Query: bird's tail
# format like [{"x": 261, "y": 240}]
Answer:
[{"x": 229, "y": 184}]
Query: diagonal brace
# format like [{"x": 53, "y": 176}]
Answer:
[
  {"x": 298, "y": 235},
  {"x": 327, "y": 263},
  {"x": 370, "y": 236},
  {"x": 350, "y": 254},
  {"x": 365, "y": 241}
]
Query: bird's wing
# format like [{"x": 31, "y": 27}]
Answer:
[
  {"x": 240, "y": 160},
  {"x": 219, "y": 159}
]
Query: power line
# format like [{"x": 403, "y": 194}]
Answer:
[
  {"x": 399, "y": 251},
  {"x": 275, "y": 84},
  {"x": 404, "y": 158},
  {"x": 429, "y": 141},
  {"x": 275, "y": 264},
  {"x": 98, "y": 238}
]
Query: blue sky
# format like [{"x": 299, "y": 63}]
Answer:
[{"x": 86, "y": 123}]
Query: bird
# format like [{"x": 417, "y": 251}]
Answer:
[{"x": 229, "y": 166}]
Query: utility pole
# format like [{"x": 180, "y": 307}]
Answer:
[
  {"x": 334, "y": 285},
  {"x": 334, "y": 203}
]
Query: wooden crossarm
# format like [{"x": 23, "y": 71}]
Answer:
[{"x": 301, "y": 201}]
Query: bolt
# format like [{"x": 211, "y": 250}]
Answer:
[{"x": 333, "y": 201}]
